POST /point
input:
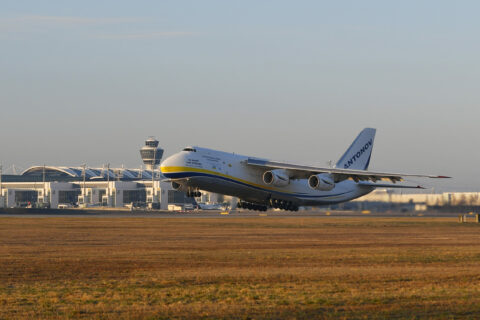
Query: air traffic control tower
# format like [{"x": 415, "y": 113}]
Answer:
[{"x": 151, "y": 153}]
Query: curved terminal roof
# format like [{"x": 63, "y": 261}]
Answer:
[{"x": 90, "y": 173}]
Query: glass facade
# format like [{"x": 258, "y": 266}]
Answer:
[
  {"x": 134, "y": 196},
  {"x": 23, "y": 197},
  {"x": 151, "y": 143},
  {"x": 68, "y": 196},
  {"x": 148, "y": 155}
]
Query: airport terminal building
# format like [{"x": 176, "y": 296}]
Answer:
[{"x": 62, "y": 186}]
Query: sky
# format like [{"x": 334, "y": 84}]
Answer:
[{"x": 89, "y": 81}]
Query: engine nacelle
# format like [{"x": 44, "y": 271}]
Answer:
[
  {"x": 277, "y": 177},
  {"x": 177, "y": 186},
  {"x": 322, "y": 181}
]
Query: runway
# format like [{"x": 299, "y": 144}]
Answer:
[{"x": 45, "y": 213}]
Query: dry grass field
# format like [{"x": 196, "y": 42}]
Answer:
[{"x": 240, "y": 268}]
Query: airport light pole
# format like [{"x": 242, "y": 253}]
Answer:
[
  {"x": 108, "y": 184},
  {"x": 153, "y": 174},
  {"x": 1, "y": 173},
  {"x": 43, "y": 185},
  {"x": 84, "y": 174}
]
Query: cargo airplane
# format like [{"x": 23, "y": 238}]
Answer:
[{"x": 261, "y": 183}]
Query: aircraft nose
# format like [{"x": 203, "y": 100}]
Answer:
[
  {"x": 166, "y": 163},
  {"x": 172, "y": 164}
]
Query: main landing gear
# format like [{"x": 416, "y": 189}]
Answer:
[
  {"x": 283, "y": 204},
  {"x": 274, "y": 203},
  {"x": 251, "y": 206}
]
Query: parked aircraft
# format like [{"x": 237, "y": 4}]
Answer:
[{"x": 261, "y": 183}]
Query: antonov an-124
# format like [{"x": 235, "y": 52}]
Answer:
[{"x": 261, "y": 183}]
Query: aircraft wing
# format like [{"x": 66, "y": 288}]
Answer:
[
  {"x": 384, "y": 185},
  {"x": 303, "y": 172}
]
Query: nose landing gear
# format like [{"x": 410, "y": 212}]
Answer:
[{"x": 193, "y": 193}]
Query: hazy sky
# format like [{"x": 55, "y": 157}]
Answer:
[{"x": 88, "y": 81}]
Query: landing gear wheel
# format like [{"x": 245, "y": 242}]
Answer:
[{"x": 276, "y": 204}]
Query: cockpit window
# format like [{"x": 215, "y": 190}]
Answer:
[{"x": 190, "y": 150}]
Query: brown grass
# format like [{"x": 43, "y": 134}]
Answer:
[{"x": 257, "y": 268}]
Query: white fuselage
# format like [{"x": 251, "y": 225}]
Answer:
[{"x": 228, "y": 173}]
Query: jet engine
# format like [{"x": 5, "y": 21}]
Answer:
[
  {"x": 176, "y": 186},
  {"x": 322, "y": 181},
  {"x": 277, "y": 177}
]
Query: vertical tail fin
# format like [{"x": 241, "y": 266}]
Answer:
[{"x": 358, "y": 155}]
